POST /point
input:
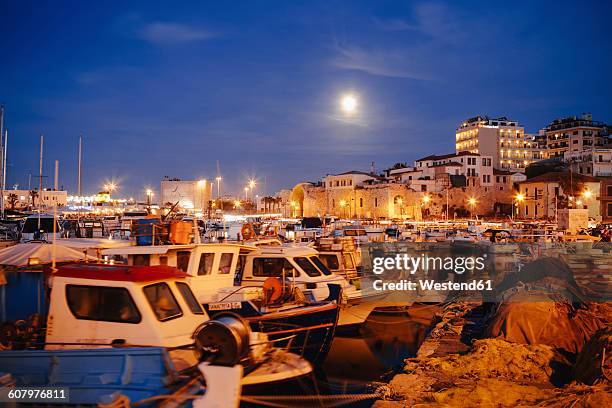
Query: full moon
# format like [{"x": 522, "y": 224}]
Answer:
[{"x": 348, "y": 103}]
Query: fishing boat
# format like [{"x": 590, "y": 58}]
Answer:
[
  {"x": 223, "y": 279},
  {"x": 96, "y": 307}
]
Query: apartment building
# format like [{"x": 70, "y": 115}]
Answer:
[
  {"x": 596, "y": 162},
  {"x": 574, "y": 134},
  {"x": 542, "y": 196},
  {"x": 502, "y": 139},
  {"x": 477, "y": 168}
]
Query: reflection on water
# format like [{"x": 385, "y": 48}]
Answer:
[{"x": 379, "y": 346}]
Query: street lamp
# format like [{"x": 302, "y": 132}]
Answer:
[
  {"x": 342, "y": 205},
  {"x": 519, "y": 198},
  {"x": 149, "y": 196},
  {"x": 202, "y": 186},
  {"x": 472, "y": 203},
  {"x": 219, "y": 178}
]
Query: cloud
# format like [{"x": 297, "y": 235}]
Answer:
[
  {"x": 163, "y": 33},
  {"x": 379, "y": 62}
]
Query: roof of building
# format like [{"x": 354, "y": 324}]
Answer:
[
  {"x": 357, "y": 172},
  {"x": 557, "y": 176},
  {"x": 363, "y": 173},
  {"x": 447, "y": 156},
  {"x": 451, "y": 164},
  {"x": 121, "y": 273}
]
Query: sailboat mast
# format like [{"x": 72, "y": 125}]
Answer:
[
  {"x": 40, "y": 177},
  {"x": 79, "y": 166},
  {"x": 2, "y": 160}
]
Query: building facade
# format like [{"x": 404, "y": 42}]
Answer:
[
  {"x": 21, "y": 199},
  {"x": 502, "y": 139},
  {"x": 191, "y": 195},
  {"x": 541, "y": 197},
  {"x": 574, "y": 134},
  {"x": 596, "y": 162}
]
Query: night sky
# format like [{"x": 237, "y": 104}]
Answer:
[{"x": 168, "y": 89}]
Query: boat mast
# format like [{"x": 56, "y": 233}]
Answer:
[
  {"x": 54, "y": 247},
  {"x": 79, "y": 165},
  {"x": 40, "y": 177},
  {"x": 4, "y": 151},
  {"x": 2, "y": 161}
]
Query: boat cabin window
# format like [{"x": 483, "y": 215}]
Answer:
[
  {"x": 315, "y": 260},
  {"x": 162, "y": 301},
  {"x": 206, "y": 263},
  {"x": 307, "y": 266},
  {"x": 225, "y": 264},
  {"x": 163, "y": 260},
  {"x": 331, "y": 261},
  {"x": 190, "y": 298},
  {"x": 273, "y": 267},
  {"x": 182, "y": 260},
  {"x": 102, "y": 303},
  {"x": 348, "y": 261},
  {"x": 141, "y": 260},
  {"x": 354, "y": 232}
]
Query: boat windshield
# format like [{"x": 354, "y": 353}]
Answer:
[
  {"x": 190, "y": 298},
  {"x": 307, "y": 266},
  {"x": 162, "y": 301},
  {"x": 31, "y": 225},
  {"x": 315, "y": 260}
]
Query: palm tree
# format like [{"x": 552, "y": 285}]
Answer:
[{"x": 12, "y": 200}]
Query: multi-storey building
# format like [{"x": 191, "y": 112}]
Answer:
[
  {"x": 606, "y": 200},
  {"x": 543, "y": 195},
  {"x": 574, "y": 134},
  {"x": 477, "y": 168},
  {"x": 596, "y": 162},
  {"x": 502, "y": 139}
]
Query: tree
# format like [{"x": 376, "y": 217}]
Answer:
[{"x": 12, "y": 200}]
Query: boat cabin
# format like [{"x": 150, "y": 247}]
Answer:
[
  {"x": 301, "y": 265},
  {"x": 212, "y": 269},
  {"x": 39, "y": 227},
  {"x": 118, "y": 305}
]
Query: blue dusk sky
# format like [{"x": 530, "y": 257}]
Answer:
[{"x": 168, "y": 88}]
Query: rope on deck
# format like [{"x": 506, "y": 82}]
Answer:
[{"x": 327, "y": 401}]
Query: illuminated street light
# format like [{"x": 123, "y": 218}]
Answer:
[
  {"x": 219, "y": 178},
  {"x": 519, "y": 198},
  {"x": 587, "y": 194},
  {"x": 426, "y": 199},
  {"x": 149, "y": 196},
  {"x": 472, "y": 202}
]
